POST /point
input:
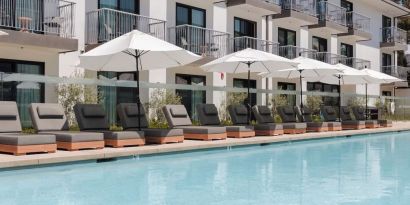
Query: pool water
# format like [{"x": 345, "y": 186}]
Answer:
[{"x": 361, "y": 170}]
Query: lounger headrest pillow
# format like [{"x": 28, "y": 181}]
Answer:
[
  {"x": 132, "y": 110},
  {"x": 50, "y": 112},
  {"x": 241, "y": 110},
  {"x": 263, "y": 110},
  {"x": 330, "y": 111},
  {"x": 7, "y": 114},
  {"x": 93, "y": 112},
  {"x": 178, "y": 112},
  {"x": 288, "y": 110},
  {"x": 210, "y": 110}
]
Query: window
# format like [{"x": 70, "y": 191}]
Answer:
[
  {"x": 386, "y": 63},
  {"x": 24, "y": 93},
  {"x": 346, "y": 50},
  {"x": 319, "y": 44},
  {"x": 244, "y": 28},
  {"x": 190, "y": 98},
  {"x": 243, "y": 83},
  {"x": 286, "y": 37},
  {"x": 347, "y": 5},
  {"x": 190, "y": 15},
  {"x": 288, "y": 86},
  {"x": 130, "y": 6},
  {"x": 386, "y": 93},
  {"x": 323, "y": 87}
]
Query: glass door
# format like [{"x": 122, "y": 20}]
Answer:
[
  {"x": 347, "y": 50},
  {"x": 288, "y": 38},
  {"x": 243, "y": 83},
  {"x": 291, "y": 87},
  {"x": 387, "y": 35},
  {"x": 190, "y": 37},
  {"x": 244, "y": 28},
  {"x": 190, "y": 98},
  {"x": 386, "y": 63}
]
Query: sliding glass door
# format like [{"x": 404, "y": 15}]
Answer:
[
  {"x": 190, "y": 98},
  {"x": 247, "y": 30}
]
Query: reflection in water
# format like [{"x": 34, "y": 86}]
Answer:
[{"x": 364, "y": 170}]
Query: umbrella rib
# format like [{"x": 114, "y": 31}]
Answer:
[
  {"x": 265, "y": 67},
  {"x": 236, "y": 68}
]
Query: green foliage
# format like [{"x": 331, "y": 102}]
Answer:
[
  {"x": 74, "y": 128},
  {"x": 236, "y": 98},
  {"x": 116, "y": 128},
  {"x": 29, "y": 130},
  {"x": 71, "y": 94},
  {"x": 153, "y": 123},
  {"x": 226, "y": 122},
  {"x": 316, "y": 118},
  {"x": 277, "y": 101},
  {"x": 313, "y": 102},
  {"x": 277, "y": 118},
  {"x": 196, "y": 123},
  {"x": 253, "y": 122},
  {"x": 356, "y": 101},
  {"x": 158, "y": 99}
]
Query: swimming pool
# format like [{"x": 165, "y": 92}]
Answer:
[{"x": 360, "y": 170}]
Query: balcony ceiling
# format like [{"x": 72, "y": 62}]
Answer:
[
  {"x": 388, "y": 7},
  {"x": 255, "y": 6}
]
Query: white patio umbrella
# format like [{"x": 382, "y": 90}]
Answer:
[
  {"x": 249, "y": 61},
  {"x": 307, "y": 68},
  {"x": 135, "y": 51}
]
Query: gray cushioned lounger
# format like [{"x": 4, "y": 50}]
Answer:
[
  {"x": 92, "y": 118},
  {"x": 129, "y": 115},
  {"x": 265, "y": 122},
  {"x": 177, "y": 117},
  {"x": 11, "y": 138},
  {"x": 360, "y": 114},
  {"x": 348, "y": 122},
  {"x": 208, "y": 116},
  {"x": 330, "y": 116},
  {"x": 305, "y": 115},
  {"x": 49, "y": 118},
  {"x": 290, "y": 124}
]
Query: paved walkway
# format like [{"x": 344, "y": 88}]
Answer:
[{"x": 65, "y": 156}]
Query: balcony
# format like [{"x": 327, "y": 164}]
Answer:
[
  {"x": 393, "y": 39},
  {"x": 202, "y": 41},
  {"x": 332, "y": 19},
  {"x": 297, "y": 12},
  {"x": 331, "y": 58},
  {"x": 358, "y": 28},
  {"x": 292, "y": 52},
  {"x": 106, "y": 24},
  {"x": 42, "y": 23},
  {"x": 263, "y": 7},
  {"x": 243, "y": 42},
  {"x": 356, "y": 63},
  {"x": 397, "y": 71}
]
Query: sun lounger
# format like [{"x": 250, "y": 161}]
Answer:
[
  {"x": 290, "y": 124},
  {"x": 359, "y": 114},
  {"x": 50, "y": 118},
  {"x": 208, "y": 116},
  {"x": 177, "y": 117},
  {"x": 266, "y": 125},
  {"x": 92, "y": 118},
  {"x": 305, "y": 115},
  {"x": 13, "y": 141},
  {"x": 129, "y": 116},
  {"x": 347, "y": 121},
  {"x": 330, "y": 116}
]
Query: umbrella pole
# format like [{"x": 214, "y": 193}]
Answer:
[
  {"x": 249, "y": 94},
  {"x": 367, "y": 116},
  {"x": 340, "y": 99},
  {"x": 301, "y": 92},
  {"x": 137, "y": 76}
]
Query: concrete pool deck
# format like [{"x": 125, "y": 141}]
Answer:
[{"x": 10, "y": 161}]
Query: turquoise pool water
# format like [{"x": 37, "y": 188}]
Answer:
[{"x": 362, "y": 170}]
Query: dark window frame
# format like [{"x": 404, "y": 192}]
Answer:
[
  {"x": 320, "y": 39},
  {"x": 344, "y": 3},
  {"x": 137, "y": 6},
  {"x": 190, "y": 8},
  {"x": 347, "y": 46},
  {"x": 287, "y": 31},
  {"x": 254, "y": 23}
]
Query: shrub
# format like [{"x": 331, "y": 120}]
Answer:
[
  {"x": 277, "y": 101},
  {"x": 236, "y": 98},
  {"x": 314, "y": 103},
  {"x": 116, "y": 128},
  {"x": 29, "y": 130},
  {"x": 356, "y": 101},
  {"x": 158, "y": 99}
]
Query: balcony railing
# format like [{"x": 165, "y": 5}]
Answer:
[
  {"x": 303, "y": 6},
  {"x": 276, "y": 2},
  {"x": 331, "y": 58},
  {"x": 397, "y": 71},
  {"x": 357, "y": 63},
  {"x": 394, "y": 35},
  {"x": 106, "y": 24},
  {"x": 292, "y": 52},
  {"x": 331, "y": 12},
  {"x": 400, "y": 2},
  {"x": 243, "y": 42},
  {"x": 202, "y": 41},
  {"x": 49, "y": 17},
  {"x": 358, "y": 21}
]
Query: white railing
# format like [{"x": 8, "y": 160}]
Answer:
[
  {"x": 243, "y": 42},
  {"x": 393, "y": 35},
  {"x": 397, "y": 71},
  {"x": 202, "y": 41},
  {"x": 357, "y": 63},
  {"x": 49, "y": 17},
  {"x": 331, "y": 12},
  {"x": 292, "y": 52},
  {"x": 106, "y": 24},
  {"x": 358, "y": 21},
  {"x": 303, "y": 6},
  {"x": 331, "y": 58}
]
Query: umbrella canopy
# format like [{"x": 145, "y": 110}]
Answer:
[
  {"x": 2, "y": 33},
  {"x": 135, "y": 51},
  {"x": 384, "y": 78},
  {"x": 153, "y": 53},
  {"x": 251, "y": 61},
  {"x": 307, "y": 67}
]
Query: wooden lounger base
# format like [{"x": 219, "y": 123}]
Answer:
[
  {"x": 75, "y": 146},
  {"x": 164, "y": 140},
  {"x": 205, "y": 137},
  {"x": 241, "y": 134},
  {"x": 317, "y": 129},
  {"x": 294, "y": 131},
  {"x": 124, "y": 143},
  {"x": 338, "y": 128},
  {"x": 269, "y": 132},
  {"x": 353, "y": 127},
  {"x": 372, "y": 126},
  {"x": 26, "y": 149},
  {"x": 385, "y": 125}
]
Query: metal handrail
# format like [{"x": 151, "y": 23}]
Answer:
[
  {"x": 292, "y": 52},
  {"x": 243, "y": 42},
  {"x": 358, "y": 21},
  {"x": 393, "y": 34},
  {"x": 303, "y": 6},
  {"x": 332, "y": 12}
]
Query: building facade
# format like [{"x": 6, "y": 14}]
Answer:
[{"x": 47, "y": 36}]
